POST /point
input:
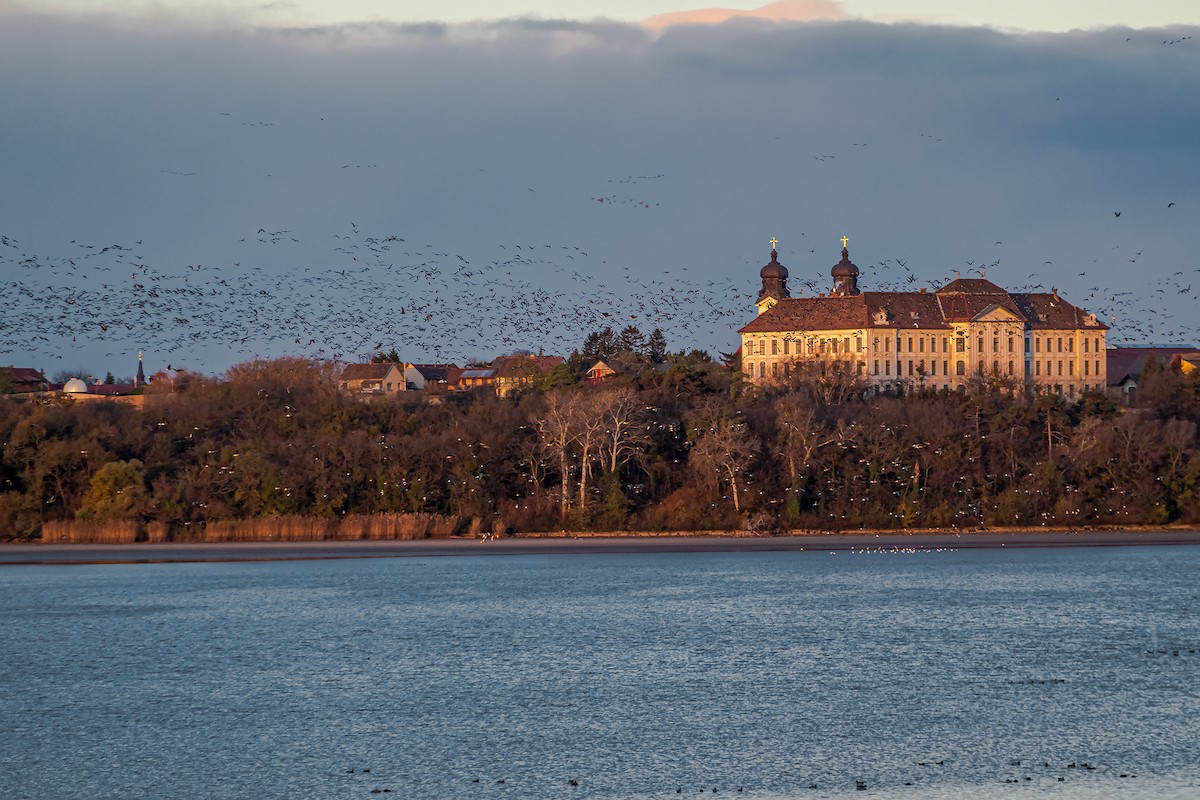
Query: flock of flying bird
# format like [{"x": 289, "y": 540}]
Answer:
[
  {"x": 378, "y": 291},
  {"x": 374, "y": 292},
  {"x": 348, "y": 293}
]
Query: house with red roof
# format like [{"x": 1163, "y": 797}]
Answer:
[
  {"x": 22, "y": 380},
  {"x": 1125, "y": 365}
]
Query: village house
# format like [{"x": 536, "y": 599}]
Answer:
[
  {"x": 475, "y": 377},
  {"x": 431, "y": 377},
  {"x": 372, "y": 380},
  {"x": 599, "y": 372},
  {"x": 517, "y": 372},
  {"x": 903, "y": 341},
  {"x": 22, "y": 380},
  {"x": 1125, "y": 366}
]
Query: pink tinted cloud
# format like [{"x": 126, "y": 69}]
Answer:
[{"x": 779, "y": 11}]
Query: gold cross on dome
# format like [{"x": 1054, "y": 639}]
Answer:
[
  {"x": 774, "y": 242},
  {"x": 844, "y": 240}
]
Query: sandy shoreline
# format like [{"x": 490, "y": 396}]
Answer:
[{"x": 561, "y": 544}]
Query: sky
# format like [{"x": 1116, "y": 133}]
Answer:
[
  {"x": 1029, "y": 15},
  {"x": 215, "y": 183}
]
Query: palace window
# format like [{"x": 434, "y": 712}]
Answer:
[
  {"x": 910, "y": 344},
  {"x": 774, "y": 369},
  {"x": 1010, "y": 368},
  {"x": 945, "y": 367},
  {"x": 846, "y": 344},
  {"x": 995, "y": 344},
  {"x": 921, "y": 344},
  {"x": 1086, "y": 342},
  {"x": 887, "y": 345},
  {"x": 1010, "y": 344},
  {"x": 1037, "y": 366},
  {"x": 995, "y": 367},
  {"x": 1087, "y": 365},
  {"x": 858, "y": 344},
  {"x": 1060, "y": 344},
  {"x": 1070, "y": 345},
  {"x": 945, "y": 344},
  {"x": 960, "y": 344},
  {"x": 774, "y": 347},
  {"x": 1070, "y": 367},
  {"x": 887, "y": 367},
  {"x": 1060, "y": 367},
  {"x": 910, "y": 365},
  {"x": 962, "y": 368},
  {"x": 762, "y": 369},
  {"x": 876, "y": 369},
  {"x": 785, "y": 346},
  {"x": 981, "y": 345},
  {"x": 1037, "y": 344}
]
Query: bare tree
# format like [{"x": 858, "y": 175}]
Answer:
[
  {"x": 723, "y": 450},
  {"x": 801, "y": 434},
  {"x": 557, "y": 432},
  {"x": 625, "y": 431},
  {"x": 588, "y": 418}
]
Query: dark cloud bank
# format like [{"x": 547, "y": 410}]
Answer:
[{"x": 655, "y": 168}]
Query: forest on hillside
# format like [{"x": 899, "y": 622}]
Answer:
[{"x": 677, "y": 442}]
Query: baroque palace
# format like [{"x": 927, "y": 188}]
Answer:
[{"x": 901, "y": 341}]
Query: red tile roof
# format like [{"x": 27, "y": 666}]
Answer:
[
  {"x": 110, "y": 389},
  {"x": 961, "y": 300},
  {"x": 366, "y": 372},
  {"x": 1051, "y": 311},
  {"x": 1128, "y": 362},
  {"x": 25, "y": 379}
]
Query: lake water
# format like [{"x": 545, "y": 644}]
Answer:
[{"x": 923, "y": 675}]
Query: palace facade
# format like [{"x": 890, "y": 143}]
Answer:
[{"x": 902, "y": 341}]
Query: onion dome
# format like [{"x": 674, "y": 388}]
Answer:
[
  {"x": 774, "y": 269},
  {"x": 774, "y": 279},
  {"x": 845, "y": 275}
]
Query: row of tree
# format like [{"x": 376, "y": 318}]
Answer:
[{"x": 682, "y": 444}]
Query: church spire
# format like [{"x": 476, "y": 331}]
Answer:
[
  {"x": 845, "y": 274},
  {"x": 140, "y": 380},
  {"x": 774, "y": 278}
]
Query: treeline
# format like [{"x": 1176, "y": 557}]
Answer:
[{"x": 681, "y": 444}]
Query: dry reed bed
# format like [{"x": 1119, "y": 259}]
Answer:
[{"x": 263, "y": 529}]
